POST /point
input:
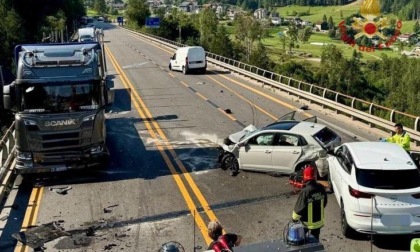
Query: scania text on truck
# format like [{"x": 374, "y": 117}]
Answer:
[{"x": 59, "y": 99}]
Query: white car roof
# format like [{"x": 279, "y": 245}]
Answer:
[
  {"x": 307, "y": 128},
  {"x": 380, "y": 156}
]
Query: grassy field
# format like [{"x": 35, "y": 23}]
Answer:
[{"x": 316, "y": 13}]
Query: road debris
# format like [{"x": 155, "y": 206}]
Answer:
[
  {"x": 37, "y": 236},
  {"x": 109, "y": 246},
  {"x": 304, "y": 107},
  {"x": 108, "y": 209},
  {"x": 60, "y": 190},
  {"x": 228, "y": 111},
  {"x": 201, "y": 83},
  {"x": 4, "y": 217}
]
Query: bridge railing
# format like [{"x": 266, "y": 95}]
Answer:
[
  {"x": 7, "y": 154},
  {"x": 370, "y": 113}
]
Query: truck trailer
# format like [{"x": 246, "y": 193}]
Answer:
[{"x": 59, "y": 99}]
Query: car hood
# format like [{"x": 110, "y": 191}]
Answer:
[{"x": 236, "y": 136}]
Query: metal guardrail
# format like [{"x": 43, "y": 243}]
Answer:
[
  {"x": 7, "y": 154},
  {"x": 367, "y": 112}
]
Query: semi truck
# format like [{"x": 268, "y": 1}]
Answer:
[{"x": 59, "y": 99}]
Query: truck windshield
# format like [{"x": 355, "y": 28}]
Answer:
[{"x": 37, "y": 98}]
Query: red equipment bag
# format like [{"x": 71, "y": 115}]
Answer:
[
  {"x": 296, "y": 179},
  {"x": 221, "y": 245}
]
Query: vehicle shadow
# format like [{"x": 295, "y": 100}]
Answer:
[{"x": 388, "y": 242}]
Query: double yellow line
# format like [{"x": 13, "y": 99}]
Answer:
[{"x": 156, "y": 132}]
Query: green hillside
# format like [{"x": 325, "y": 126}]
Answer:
[{"x": 316, "y": 13}]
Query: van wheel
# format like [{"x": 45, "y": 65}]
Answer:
[
  {"x": 203, "y": 70},
  {"x": 184, "y": 69},
  {"x": 330, "y": 185},
  {"x": 170, "y": 66}
]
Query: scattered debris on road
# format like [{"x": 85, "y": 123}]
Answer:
[
  {"x": 201, "y": 83},
  {"x": 228, "y": 111},
  {"x": 109, "y": 246},
  {"x": 108, "y": 209},
  {"x": 60, "y": 190},
  {"x": 304, "y": 107},
  {"x": 37, "y": 236}
]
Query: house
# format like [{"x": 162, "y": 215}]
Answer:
[
  {"x": 276, "y": 20},
  {"x": 185, "y": 6},
  {"x": 407, "y": 37},
  {"x": 261, "y": 13},
  {"x": 321, "y": 26}
]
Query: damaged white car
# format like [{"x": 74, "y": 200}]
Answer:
[{"x": 282, "y": 147}]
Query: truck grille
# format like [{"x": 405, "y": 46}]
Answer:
[
  {"x": 60, "y": 136},
  {"x": 62, "y": 143}
]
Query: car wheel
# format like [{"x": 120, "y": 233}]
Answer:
[
  {"x": 229, "y": 162},
  {"x": 170, "y": 66},
  {"x": 330, "y": 184},
  {"x": 184, "y": 70},
  {"x": 346, "y": 230}
]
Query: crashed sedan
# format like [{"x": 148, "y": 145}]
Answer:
[{"x": 284, "y": 146}]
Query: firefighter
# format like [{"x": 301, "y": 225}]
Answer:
[
  {"x": 400, "y": 137},
  {"x": 312, "y": 200}
]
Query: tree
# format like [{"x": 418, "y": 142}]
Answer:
[
  {"x": 324, "y": 19},
  {"x": 99, "y": 6},
  {"x": 221, "y": 43},
  {"x": 259, "y": 57},
  {"x": 247, "y": 31},
  {"x": 416, "y": 27},
  {"x": 137, "y": 11},
  {"x": 305, "y": 34},
  {"x": 207, "y": 26},
  {"x": 330, "y": 23},
  {"x": 293, "y": 36}
]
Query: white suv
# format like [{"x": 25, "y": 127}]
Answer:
[{"x": 379, "y": 178}]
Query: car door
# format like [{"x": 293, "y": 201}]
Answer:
[
  {"x": 287, "y": 150},
  {"x": 174, "y": 62},
  {"x": 341, "y": 172},
  {"x": 256, "y": 154}
]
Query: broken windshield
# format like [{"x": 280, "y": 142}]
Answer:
[{"x": 59, "y": 98}]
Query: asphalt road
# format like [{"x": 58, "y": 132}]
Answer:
[{"x": 163, "y": 183}]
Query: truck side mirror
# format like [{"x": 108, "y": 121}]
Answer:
[
  {"x": 8, "y": 96},
  {"x": 109, "y": 84},
  {"x": 110, "y": 96}
]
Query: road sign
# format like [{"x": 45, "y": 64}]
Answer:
[{"x": 152, "y": 22}]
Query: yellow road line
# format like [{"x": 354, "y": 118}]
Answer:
[
  {"x": 140, "y": 106},
  {"x": 31, "y": 214},
  {"x": 238, "y": 83},
  {"x": 202, "y": 96}
]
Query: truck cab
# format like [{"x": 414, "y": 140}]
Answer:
[{"x": 59, "y": 99}]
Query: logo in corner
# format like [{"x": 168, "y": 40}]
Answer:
[{"x": 369, "y": 24}]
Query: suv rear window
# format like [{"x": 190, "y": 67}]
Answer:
[
  {"x": 325, "y": 136},
  {"x": 392, "y": 180}
]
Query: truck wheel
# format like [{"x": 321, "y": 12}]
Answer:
[{"x": 184, "y": 69}]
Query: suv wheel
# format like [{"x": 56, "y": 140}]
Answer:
[{"x": 345, "y": 228}]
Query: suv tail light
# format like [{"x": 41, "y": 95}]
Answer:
[
  {"x": 416, "y": 196},
  {"x": 358, "y": 194}
]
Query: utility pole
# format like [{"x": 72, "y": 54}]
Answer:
[{"x": 180, "y": 39}]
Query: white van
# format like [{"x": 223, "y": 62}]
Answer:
[
  {"x": 189, "y": 59},
  {"x": 86, "y": 34}
]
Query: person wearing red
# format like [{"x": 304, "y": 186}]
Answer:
[
  {"x": 312, "y": 200},
  {"x": 221, "y": 242}
]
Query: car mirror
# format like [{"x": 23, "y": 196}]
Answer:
[
  {"x": 331, "y": 152},
  {"x": 242, "y": 144}
]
